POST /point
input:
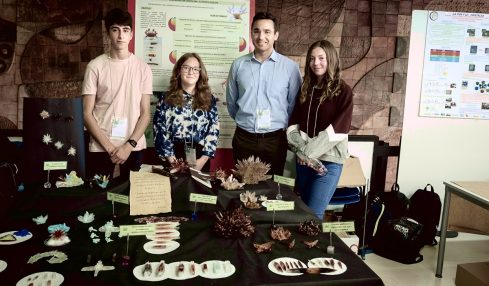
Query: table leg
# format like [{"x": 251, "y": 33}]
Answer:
[{"x": 443, "y": 232}]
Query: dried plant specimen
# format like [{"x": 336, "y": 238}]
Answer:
[
  {"x": 233, "y": 224},
  {"x": 309, "y": 227},
  {"x": 252, "y": 171},
  {"x": 279, "y": 233},
  {"x": 311, "y": 244},
  {"x": 264, "y": 247}
]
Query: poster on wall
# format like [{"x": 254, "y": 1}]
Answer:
[
  {"x": 456, "y": 66},
  {"x": 218, "y": 30}
]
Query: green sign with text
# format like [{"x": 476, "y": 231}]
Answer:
[
  {"x": 118, "y": 198},
  {"x": 339, "y": 226},
  {"x": 284, "y": 180},
  {"x": 205, "y": 199}
]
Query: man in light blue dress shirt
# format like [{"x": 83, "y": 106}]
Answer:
[{"x": 261, "y": 91}]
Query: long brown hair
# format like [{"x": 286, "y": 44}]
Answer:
[
  {"x": 202, "y": 97},
  {"x": 331, "y": 81}
]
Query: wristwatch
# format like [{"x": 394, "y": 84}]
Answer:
[{"x": 132, "y": 142}]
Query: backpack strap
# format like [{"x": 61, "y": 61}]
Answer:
[
  {"x": 429, "y": 185},
  {"x": 395, "y": 187}
]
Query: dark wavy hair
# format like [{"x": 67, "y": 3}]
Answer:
[
  {"x": 202, "y": 97},
  {"x": 331, "y": 82},
  {"x": 266, "y": 16},
  {"x": 119, "y": 17}
]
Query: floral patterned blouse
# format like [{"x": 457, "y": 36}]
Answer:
[{"x": 184, "y": 124}]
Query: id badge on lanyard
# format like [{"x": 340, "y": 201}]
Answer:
[
  {"x": 263, "y": 118},
  {"x": 190, "y": 155},
  {"x": 119, "y": 128}
]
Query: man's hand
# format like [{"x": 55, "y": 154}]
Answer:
[{"x": 120, "y": 154}]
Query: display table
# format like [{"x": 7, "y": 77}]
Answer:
[
  {"x": 197, "y": 241},
  {"x": 474, "y": 192}
]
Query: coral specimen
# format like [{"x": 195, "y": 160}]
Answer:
[
  {"x": 279, "y": 233},
  {"x": 251, "y": 170},
  {"x": 231, "y": 183},
  {"x": 264, "y": 247},
  {"x": 220, "y": 174},
  {"x": 311, "y": 244},
  {"x": 309, "y": 227},
  {"x": 249, "y": 200},
  {"x": 179, "y": 166},
  {"x": 233, "y": 224}
]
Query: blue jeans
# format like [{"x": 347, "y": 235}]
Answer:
[{"x": 316, "y": 190}]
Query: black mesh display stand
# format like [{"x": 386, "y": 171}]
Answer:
[{"x": 64, "y": 124}]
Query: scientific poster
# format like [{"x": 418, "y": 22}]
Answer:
[
  {"x": 456, "y": 66},
  {"x": 217, "y": 30}
]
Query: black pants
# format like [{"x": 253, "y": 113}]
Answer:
[
  {"x": 269, "y": 147},
  {"x": 179, "y": 150},
  {"x": 99, "y": 163}
]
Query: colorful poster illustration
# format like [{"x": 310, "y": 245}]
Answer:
[
  {"x": 217, "y": 30},
  {"x": 456, "y": 66}
]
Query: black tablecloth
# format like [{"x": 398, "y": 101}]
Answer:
[{"x": 197, "y": 241}]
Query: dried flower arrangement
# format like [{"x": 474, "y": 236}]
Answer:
[
  {"x": 279, "y": 233},
  {"x": 309, "y": 227},
  {"x": 233, "y": 224},
  {"x": 251, "y": 170}
]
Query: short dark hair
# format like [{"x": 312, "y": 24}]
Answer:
[
  {"x": 266, "y": 16},
  {"x": 119, "y": 17}
]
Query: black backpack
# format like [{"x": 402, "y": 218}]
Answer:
[
  {"x": 425, "y": 208},
  {"x": 396, "y": 203}
]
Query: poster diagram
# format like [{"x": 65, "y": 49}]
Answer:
[
  {"x": 456, "y": 66},
  {"x": 219, "y": 31}
]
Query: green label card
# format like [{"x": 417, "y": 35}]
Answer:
[
  {"x": 205, "y": 199},
  {"x": 137, "y": 229},
  {"x": 338, "y": 226},
  {"x": 55, "y": 165},
  {"x": 284, "y": 180},
  {"x": 280, "y": 205},
  {"x": 118, "y": 198}
]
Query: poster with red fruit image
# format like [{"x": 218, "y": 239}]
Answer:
[{"x": 219, "y": 31}]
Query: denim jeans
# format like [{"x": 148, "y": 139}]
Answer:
[{"x": 316, "y": 190}]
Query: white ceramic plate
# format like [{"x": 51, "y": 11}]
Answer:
[
  {"x": 138, "y": 272},
  {"x": 42, "y": 278},
  {"x": 286, "y": 261},
  {"x": 3, "y": 265},
  {"x": 18, "y": 239},
  {"x": 324, "y": 262},
  {"x": 170, "y": 246},
  {"x": 185, "y": 274},
  {"x": 217, "y": 269}
]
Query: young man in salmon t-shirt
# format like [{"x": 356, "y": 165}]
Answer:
[{"x": 116, "y": 102}]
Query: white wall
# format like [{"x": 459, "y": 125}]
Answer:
[{"x": 434, "y": 150}]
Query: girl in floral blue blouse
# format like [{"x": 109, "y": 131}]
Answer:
[{"x": 186, "y": 123}]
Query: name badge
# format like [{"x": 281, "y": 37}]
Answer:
[
  {"x": 190, "y": 156},
  {"x": 263, "y": 118},
  {"x": 119, "y": 128}
]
